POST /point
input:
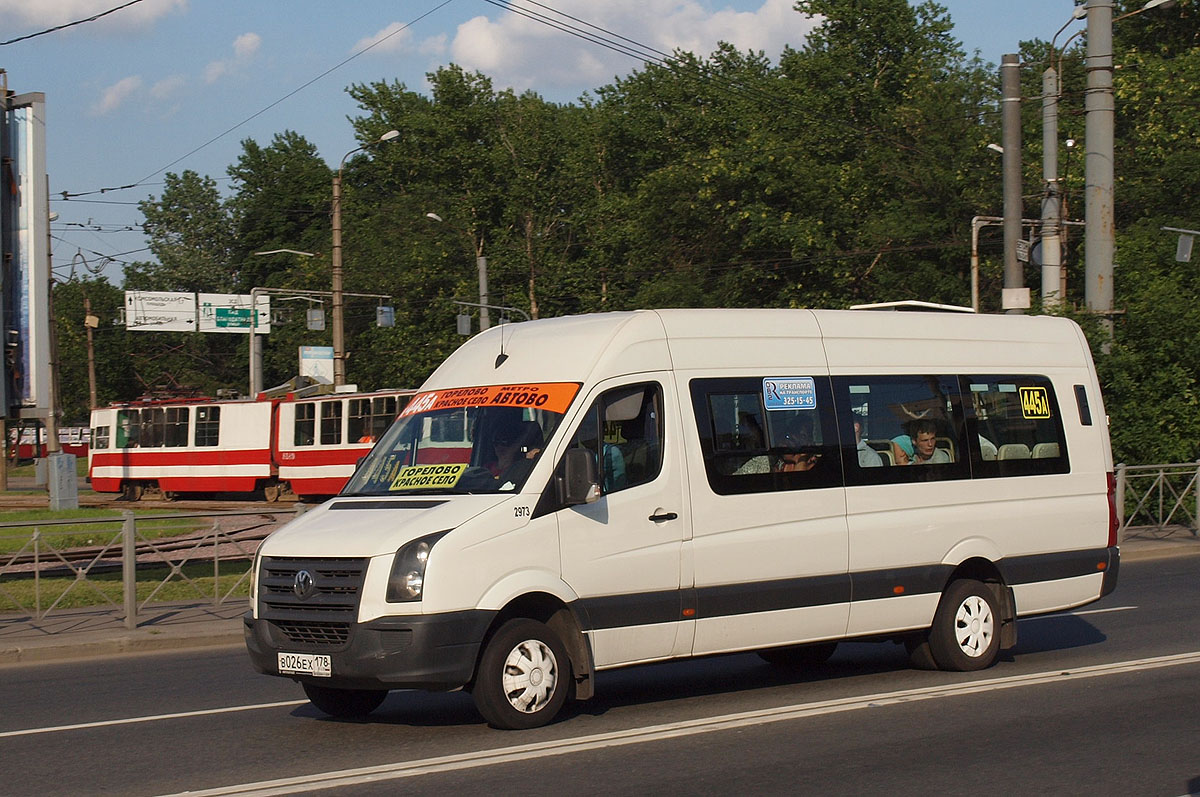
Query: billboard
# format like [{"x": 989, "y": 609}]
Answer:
[
  {"x": 230, "y": 312},
  {"x": 26, "y": 245},
  {"x": 160, "y": 311},
  {"x": 317, "y": 362},
  {"x": 166, "y": 311}
]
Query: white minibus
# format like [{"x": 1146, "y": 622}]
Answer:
[{"x": 572, "y": 495}]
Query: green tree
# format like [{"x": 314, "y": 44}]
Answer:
[
  {"x": 281, "y": 200},
  {"x": 114, "y": 373},
  {"x": 190, "y": 231}
]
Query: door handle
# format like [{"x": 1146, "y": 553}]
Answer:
[{"x": 659, "y": 517}]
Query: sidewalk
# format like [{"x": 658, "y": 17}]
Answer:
[{"x": 83, "y": 633}]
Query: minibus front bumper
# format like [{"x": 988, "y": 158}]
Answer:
[{"x": 435, "y": 652}]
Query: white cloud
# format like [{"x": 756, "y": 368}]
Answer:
[
  {"x": 116, "y": 94},
  {"x": 168, "y": 87},
  {"x": 434, "y": 45},
  {"x": 395, "y": 38},
  {"x": 245, "y": 47},
  {"x": 522, "y": 53},
  {"x": 28, "y": 15}
]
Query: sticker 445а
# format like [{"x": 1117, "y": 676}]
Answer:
[{"x": 1034, "y": 402}]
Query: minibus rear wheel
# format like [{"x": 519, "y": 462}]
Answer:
[
  {"x": 524, "y": 676},
  {"x": 965, "y": 635},
  {"x": 344, "y": 703}
]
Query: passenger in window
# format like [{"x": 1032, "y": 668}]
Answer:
[
  {"x": 794, "y": 451},
  {"x": 924, "y": 443},
  {"x": 515, "y": 444},
  {"x": 902, "y": 449},
  {"x": 867, "y": 456}
]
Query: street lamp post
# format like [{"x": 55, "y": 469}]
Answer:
[
  {"x": 482, "y": 268},
  {"x": 339, "y": 333},
  {"x": 1099, "y": 124}
]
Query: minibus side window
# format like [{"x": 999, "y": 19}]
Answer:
[
  {"x": 898, "y": 429},
  {"x": 1017, "y": 426},
  {"x": 623, "y": 430},
  {"x": 767, "y": 433}
]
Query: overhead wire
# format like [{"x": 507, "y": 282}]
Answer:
[
  {"x": 260, "y": 112},
  {"x": 57, "y": 28}
]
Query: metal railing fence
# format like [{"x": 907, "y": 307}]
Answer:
[
  {"x": 84, "y": 550},
  {"x": 1158, "y": 499}
]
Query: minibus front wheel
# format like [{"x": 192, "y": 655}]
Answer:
[
  {"x": 524, "y": 676},
  {"x": 965, "y": 634}
]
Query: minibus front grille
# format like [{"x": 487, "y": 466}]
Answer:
[
  {"x": 315, "y": 634},
  {"x": 303, "y": 590}
]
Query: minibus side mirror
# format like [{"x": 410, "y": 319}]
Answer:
[{"x": 581, "y": 483}]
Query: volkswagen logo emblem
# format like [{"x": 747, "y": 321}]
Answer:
[{"x": 304, "y": 584}]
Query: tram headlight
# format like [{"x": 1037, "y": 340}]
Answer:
[{"x": 407, "y": 580}]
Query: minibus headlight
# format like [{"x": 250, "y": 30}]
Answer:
[
  {"x": 254, "y": 576},
  {"x": 407, "y": 580}
]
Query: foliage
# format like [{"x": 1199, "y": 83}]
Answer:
[{"x": 847, "y": 170}]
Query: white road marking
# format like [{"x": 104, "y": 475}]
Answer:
[
  {"x": 524, "y": 753},
  {"x": 151, "y": 718},
  {"x": 1076, "y": 614}
]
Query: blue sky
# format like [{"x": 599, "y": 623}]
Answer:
[{"x": 168, "y": 85}]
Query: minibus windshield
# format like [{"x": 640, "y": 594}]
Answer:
[{"x": 464, "y": 440}]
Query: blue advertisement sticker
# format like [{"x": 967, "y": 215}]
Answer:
[{"x": 790, "y": 393}]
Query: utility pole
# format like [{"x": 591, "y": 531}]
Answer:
[
  {"x": 1010, "y": 120},
  {"x": 339, "y": 340},
  {"x": 484, "y": 319},
  {"x": 1051, "y": 204},
  {"x": 1100, "y": 113},
  {"x": 90, "y": 322}
]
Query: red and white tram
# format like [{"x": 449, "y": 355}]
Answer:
[{"x": 306, "y": 445}]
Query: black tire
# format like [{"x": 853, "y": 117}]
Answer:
[
  {"x": 812, "y": 655},
  {"x": 344, "y": 703},
  {"x": 919, "y": 656},
  {"x": 535, "y": 662},
  {"x": 965, "y": 635}
]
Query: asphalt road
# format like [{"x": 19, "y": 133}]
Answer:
[{"x": 1103, "y": 701}]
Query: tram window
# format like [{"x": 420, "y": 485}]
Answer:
[
  {"x": 208, "y": 426},
  {"x": 154, "y": 427},
  {"x": 331, "y": 423},
  {"x": 99, "y": 437},
  {"x": 383, "y": 412},
  {"x": 129, "y": 427},
  {"x": 369, "y": 418},
  {"x": 176, "y": 426},
  {"x": 306, "y": 415}
]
